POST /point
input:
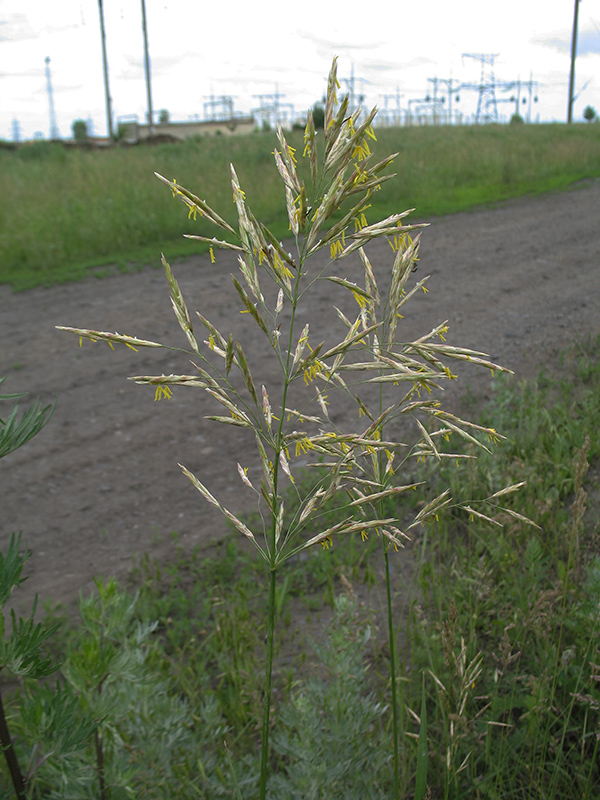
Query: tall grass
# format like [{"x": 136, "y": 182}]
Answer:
[
  {"x": 520, "y": 609},
  {"x": 444, "y": 170},
  {"x": 64, "y": 212}
]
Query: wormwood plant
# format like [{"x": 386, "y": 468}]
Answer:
[
  {"x": 20, "y": 654},
  {"x": 389, "y": 381},
  {"x": 341, "y": 762},
  {"x": 21, "y": 644},
  {"x": 15, "y": 430}
]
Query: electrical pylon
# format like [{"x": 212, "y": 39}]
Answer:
[
  {"x": 271, "y": 112},
  {"x": 487, "y": 110},
  {"x": 392, "y": 117},
  {"x": 219, "y": 108},
  {"x": 54, "y": 132},
  {"x": 16, "y": 131},
  {"x": 355, "y": 99}
]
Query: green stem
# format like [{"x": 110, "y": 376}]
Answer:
[
  {"x": 268, "y": 676},
  {"x": 264, "y": 757},
  {"x": 11, "y": 756},
  {"x": 100, "y": 764},
  {"x": 392, "y": 646},
  {"x": 391, "y": 635}
]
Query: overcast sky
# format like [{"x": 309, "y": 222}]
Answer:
[{"x": 260, "y": 47}]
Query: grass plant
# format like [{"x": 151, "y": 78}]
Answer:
[
  {"x": 383, "y": 375},
  {"x": 509, "y": 624},
  {"x": 68, "y": 213}
]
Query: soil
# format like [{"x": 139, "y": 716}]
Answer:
[{"x": 101, "y": 483}]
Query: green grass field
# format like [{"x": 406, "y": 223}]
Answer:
[{"x": 64, "y": 213}]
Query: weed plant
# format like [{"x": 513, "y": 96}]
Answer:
[
  {"x": 385, "y": 377},
  {"x": 344, "y": 760},
  {"x": 65, "y": 214}
]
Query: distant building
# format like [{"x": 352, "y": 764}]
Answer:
[{"x": 136, "y": 132}]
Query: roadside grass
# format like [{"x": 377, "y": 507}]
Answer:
[
  {"x": 502, "y": 622},
  {"x": 67, "y": 214},
  {"x": 521, "y": 609}
]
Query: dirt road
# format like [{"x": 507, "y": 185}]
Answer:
[{"x": 101, "y": 482}]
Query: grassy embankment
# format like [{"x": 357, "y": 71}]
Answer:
[{"x": 64, "y": 214}]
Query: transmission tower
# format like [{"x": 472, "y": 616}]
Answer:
[
  {"x": 452, "y": 91},
  {"x": 271, "y": 112},
  {"x": 219, "y": 108},
  {"x": 516, "y": 87},
  {"x": 355, "y": 100},
  {"x": 16, "y": 131},
  {"x": 424, "y": 111},
  {"x": 487, "y": 110},
  {"x": 392, "y": 116},
  {"x": 54, "y": 132}
]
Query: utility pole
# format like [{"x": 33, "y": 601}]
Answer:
[
  {"x": 54, "y": 132},
  {"x": 109, "y": 123},
  {"x": 573, "y": 56},
  {"x": 147, "y": 69}
]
